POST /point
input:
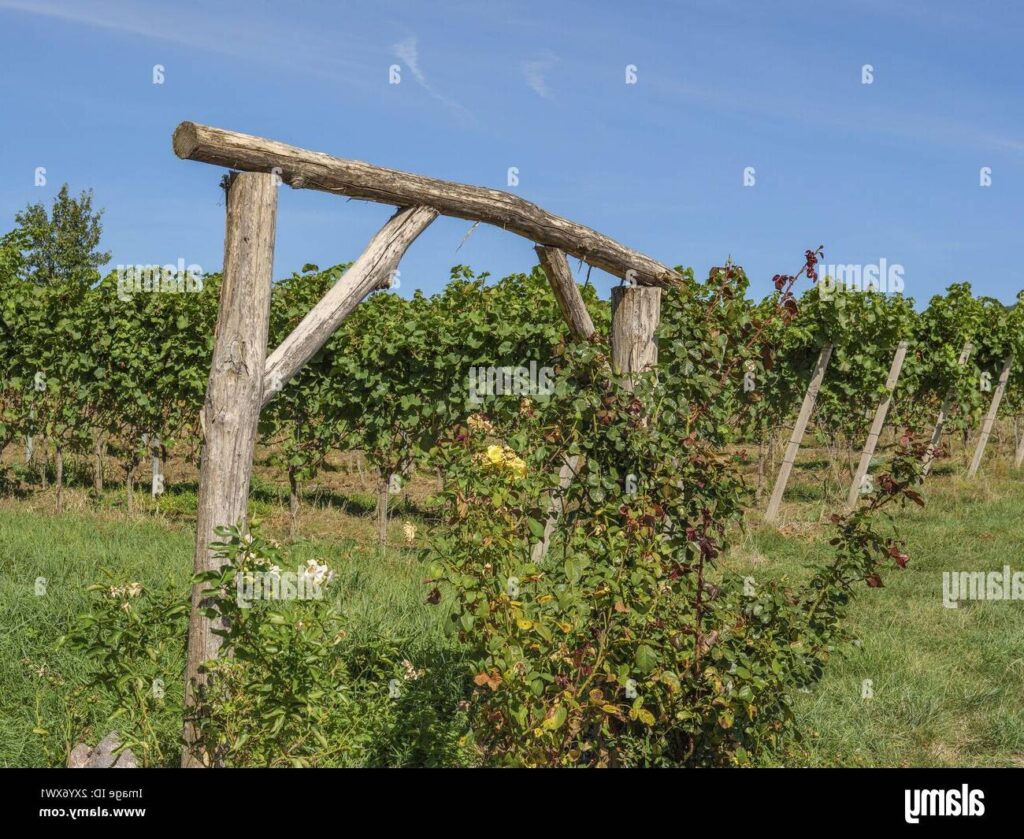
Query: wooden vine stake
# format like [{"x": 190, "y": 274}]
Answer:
[
  {"x": 947, "y": 403},
  {"x": 581, "y": 325},
  {"x": 1018, "y": 457},
  {"x": 235, "y": 390},
  {"x": 990, "y": 417},
  {"x": 877, "y": 424},
  {"x": 806, "y": 409}
]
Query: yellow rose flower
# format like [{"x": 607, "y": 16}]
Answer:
[{"x": 503, "y": 459}]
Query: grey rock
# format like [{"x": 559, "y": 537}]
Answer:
[
  {"x": 103, "y": 756},
  {"x": 126, "y": 760},
  {"x": 79, "y": 756}
]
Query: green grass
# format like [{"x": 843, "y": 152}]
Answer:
[{"x": 946, "y": 683}]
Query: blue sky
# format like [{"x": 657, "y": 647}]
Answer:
[{"x": 883, "y": 170}]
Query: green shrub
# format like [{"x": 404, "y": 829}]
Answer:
[
  {"x": 292, "y": 686},
  {"x": 615, "y": 649},
  {"x": 136, "y": 638}
]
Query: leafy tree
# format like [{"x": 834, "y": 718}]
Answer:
[{"x": 61, "y": 246}]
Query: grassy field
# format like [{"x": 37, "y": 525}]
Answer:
[
  {"x": 944, "y": 684},
  {"x": 925, "y": 685}
]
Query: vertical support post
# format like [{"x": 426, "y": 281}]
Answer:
[
  {"x": 1018, "y": 456},
  {"x": 877, "y": 423},
  {"x": 636, "y": 311},
  {"x": 233, "y": 396},
  {"x": 947, "y": 403},
  {"x": 990, "y": 417},
  {"x": 98, "y": 451},
  {"x": 156, "y": 486},
  {"x": 806, "y": 409}
]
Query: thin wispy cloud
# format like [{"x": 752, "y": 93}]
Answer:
[
  {"x": 536, "y": 75},
  {"x": 408, "y": 53}
]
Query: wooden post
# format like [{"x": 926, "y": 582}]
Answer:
[
  {"x": 1018, "y": 456},
  {"x": 877, "y": 423},
  {"x": 233, "y": 396},
  {"x": 98, "y": 450},
  {"x": 636, "y": 311},
  {"x": 990, "y": 417},
  {"x": 156, "y": 486},
  {"x": 806, "y": 409},
  {"x": 933, "y": 446},
  {"x": 565, "y": 476}
]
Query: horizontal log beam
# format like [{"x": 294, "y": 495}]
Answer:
[
  {"x": 305, "y": 169},
  {"x": 373, "y": 270}
]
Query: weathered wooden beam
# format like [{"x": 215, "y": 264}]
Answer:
[
  {"x": 636, "y": 312},
  {"x": 231, "y": 411},
  {"x": 947, "y": 403},
  {"x": 990, "y": 417},
  {"x": 806, "y": 409},
  {"x": 567, "y": 293},
  {"x": 877, "y": 424},
  {"x": 372, "y": 270},
  {"x": 305, "y": 169}
]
